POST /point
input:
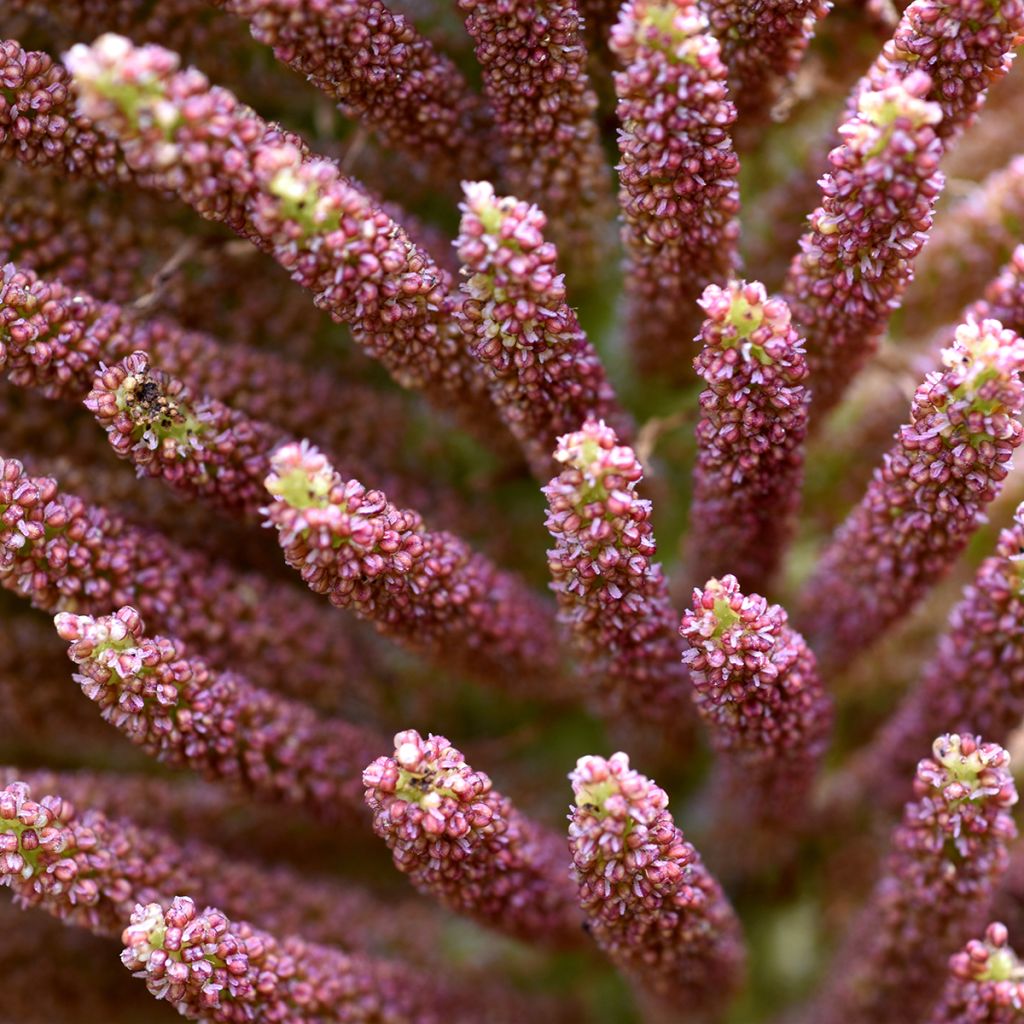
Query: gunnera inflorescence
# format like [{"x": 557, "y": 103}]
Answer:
[{"x": 562, "y": 452}]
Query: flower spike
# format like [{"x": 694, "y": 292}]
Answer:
[
  {"x": 679, "y": 194},
  {"x": 650, "y": 902},
  {"x": 927, "y": 498},
  {"x": 757, "y": 689},
  {"x": 857, "y": 258},
  {"x": 426, "y": 589},
  {"x": 986, "y": 983},
  {"x": 465, "y": 844},
  {"x": 612, "y": 596},
  {"x": 947, "y": 856},
  {"x": 546, "y": 377},
  {"x": 749, "y": 468},
  {"x": 217, "y": 723}
]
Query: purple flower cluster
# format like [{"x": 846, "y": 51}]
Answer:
[
  {"x": 946, "y": 858},
  {"x": 252, "y": 346},
  {"x": 927, "y": 498},
  {"x": 750, "y": 436},
  {"x": 547, "y": 378},
  {"x": 986, "y": 984},
  {"x": 216, "y": 723},
  {"x": 650, "y": 902},
  {"x": 679, "y": 194},
  {"x": 612, "y": 596},
  {"x": 427, "y": 589},
  {"x": 465, "y": 844},
  {"x": 757, "y": 689}
]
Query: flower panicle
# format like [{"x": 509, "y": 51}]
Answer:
[
  {"x": 749, "y": 468},
  {"x": 466, "y": 845},
  {"x": 986, "y": 33},
  {"x": 650, "y": 902},
  {"x": 534, "y": 71},
  {"x": 209, "y": 967},
  {"x": 297, "y": 207},
  {"x": 53, "y": 338},
  {"x": 105, "y": 839},
  {"x": 612, "y": 596},
  {"x": 678, "y": 175},
  {"x": 217, "y": 723},
  {"x": 757, "y": 689},
  {"x": 546, "y": 376},
  {"x": 62, "y": 554},
  {"x": 763, "y": 45},
  {"x": 985, "y": 983},
  {"x": 199, "y": 446},
  {"x": 946, "y": 858},
  {"x": 857, "y": 257},
  {"x": 927, "y": 498},
  {"x": 380, "y": 70},
  {"x": 426, "y": 589}
]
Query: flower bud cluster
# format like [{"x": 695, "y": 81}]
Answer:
[
  {"x": 986, "y": 983},
  {"x": 213, "y": 969},
  {"x": 975, "y": 680},
  {"x": 198, "y": 445},
  {"x": 857, "y": 258},
  {"x": 612, "y": 597},
  {"x": 650, "y": 902},
  {"x": 757, "y": 689},
  {"x": 534, "y": 68},
  {"x": 926, "y": 499},
  {"x": 679, "y": 194},
  {"x": 546, "y": 377},
  {"x": 763, "y": 44},
  {"x": 465, "y": 844},
  {"x": 39, "y": 125},
  {"x": 53, "y": 339},
  {"x": 378, "y": 68},
  {"x": 426, "y": 589},
  {"x": 964, "y": 46},
  {"x": 280, "y": 898},
  {"x": 323, "y": 228},
  {"x": 188, "y": 715},
  {"x": 947, "y": 856},
  {"x": 62, "y": 554},
  {"x": 749, "y": 469}
]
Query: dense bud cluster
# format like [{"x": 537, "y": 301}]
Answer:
[
  {"x": 756, "y": 687},
  {"x": 252, "y": 346},
  {"x": 465, "y": 844},
  {"x": 612, "y": 596},
  {"x": 216, "y": 723},
  {"x": 650, "y": 902},
  {"x": 679, "y": 194},
  {"x": 947, "y": 856},
  {"x": 927, "y": 498},
  {"x": 750, "y": 436},
  {"x": 547, "y": 378}
]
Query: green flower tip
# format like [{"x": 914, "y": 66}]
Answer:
[
  {"x": 302, "y": 203},
  {"x": 300, "y": 477}
]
